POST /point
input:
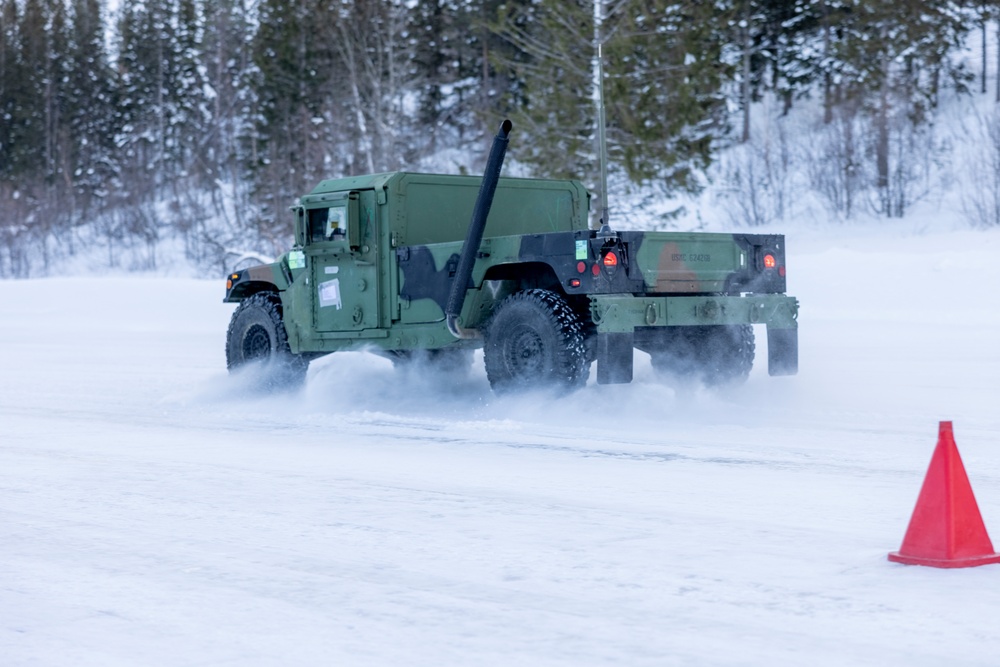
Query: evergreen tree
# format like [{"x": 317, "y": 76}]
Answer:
[
  {"x": 553, "y": 109},
  {"x": 451, "y": 47},
  {"x": 11, "y": 88},
  {"x": 57, "y": 138},
  {"x": 666, "y": 75},
  {"x": 434, "y": 51},
  {"x": 499, "y": 88},
  {"x": 293, "y": 68},
  {"x": 330, "y": 97},
  {"x": 769, "y": 46},
  {"x": 142, "y": 81},
  {"x": 11, "y": 81},
  {"x": 28, "y": 122},
  {"x": 787, "y": 59},
  {"x": 890, "y": 57},
  {"x": 665, "y": 72},
  {"x": 188, "y": 96},
  {"x": 227, "y": 60},
  {"x": 164, "y": 113},
  {"x": 89, "y": 116}
]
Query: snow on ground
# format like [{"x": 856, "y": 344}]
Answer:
[{"x": 154, "y": 513}]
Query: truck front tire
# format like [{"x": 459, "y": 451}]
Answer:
[
  {"x": 257, "y": 337},
  {"x": 534, "y": 340}
]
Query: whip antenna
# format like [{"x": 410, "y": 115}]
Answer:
[{"x": 602, "y": 139}]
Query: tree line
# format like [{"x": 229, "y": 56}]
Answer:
[{"x": 202, "y": 120}]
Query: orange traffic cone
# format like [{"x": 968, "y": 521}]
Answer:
[{"x": 946, "y": 529}]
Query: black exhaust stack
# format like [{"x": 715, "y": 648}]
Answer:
[{"x": 463, "y": 273}]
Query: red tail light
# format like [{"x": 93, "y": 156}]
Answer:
[
  {"x": 611, "y": 259},
  {"x": 769, "y": 262}
]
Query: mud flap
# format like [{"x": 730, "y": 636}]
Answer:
[
  {"x": 782, "y": 351},
  {"x": 614, "y": 358}
]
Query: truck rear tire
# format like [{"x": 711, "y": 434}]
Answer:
[
  {"x": 534, "y": 340},
  {"x": 713, "y": 354},
  {"x": 257, "y": 337}
]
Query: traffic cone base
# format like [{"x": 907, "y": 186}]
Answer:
[
  {"x": 897, "y": 557},
  {"x": 946, "y": 529}
]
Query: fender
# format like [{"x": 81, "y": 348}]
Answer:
[{"x": 274, "y": 277}]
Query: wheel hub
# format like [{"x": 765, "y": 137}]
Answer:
[
  {"x": 256, "y": 343},
  {"x": 526, "y": 353}
]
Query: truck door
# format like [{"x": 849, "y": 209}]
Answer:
[{"x": 343, "y": 257}]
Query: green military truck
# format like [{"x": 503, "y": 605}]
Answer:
[{"x": 392, "y": 264}]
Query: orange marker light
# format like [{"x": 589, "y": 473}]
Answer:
[
  {"x": 229, "y": 284},
  {"x": 574, "y": 283},
  {"x": 769, "y": 262},
  {"x": 611, "y": 259}
]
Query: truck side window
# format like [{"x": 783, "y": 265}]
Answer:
[{"x": 327, "y": 224}]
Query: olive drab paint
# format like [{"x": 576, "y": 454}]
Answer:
[{"x": 376, "y": 256}]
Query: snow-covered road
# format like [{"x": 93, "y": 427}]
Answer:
[{"x": 153, "y": 513}]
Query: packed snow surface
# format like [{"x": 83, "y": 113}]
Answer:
[{"x": 155, "y": 512}]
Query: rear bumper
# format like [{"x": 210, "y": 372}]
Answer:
[
  {"x": 625, "y": 314},
  {"x": 624, "y": 321}
]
